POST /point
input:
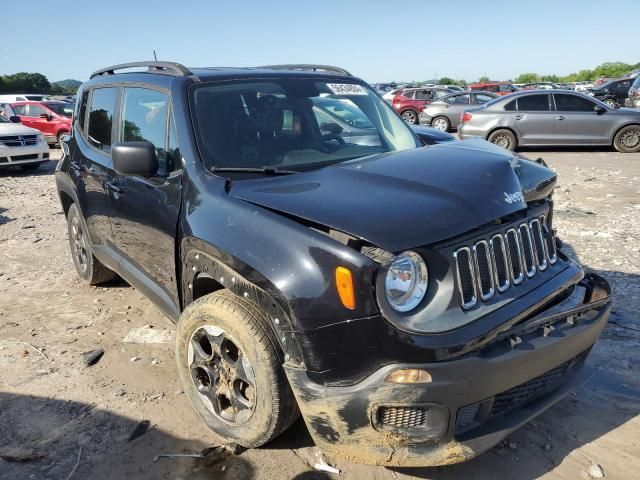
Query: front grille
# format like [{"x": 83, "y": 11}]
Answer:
[
  {"x": 32, "y": 156},
  {"x": 18, "y": 140},
  {"x": 505, "y": 260},
  {"x": 402, "y": 417}
]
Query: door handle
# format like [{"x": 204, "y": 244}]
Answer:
[
  {"x": 113, "y": 187},
  {"x": 560, "y": 117},
  {"x": 518, "y": 117}
]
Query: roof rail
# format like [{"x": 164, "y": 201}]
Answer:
[
  {"x": 311, "y": 67},
  {"x": 164, "y": 68}
]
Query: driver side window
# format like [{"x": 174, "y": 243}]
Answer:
[{"x": 573, "y": 103}]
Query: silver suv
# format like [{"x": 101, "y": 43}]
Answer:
[{"x": 552, "y": 118}]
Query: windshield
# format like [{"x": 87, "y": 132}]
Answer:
[
  {"x": 62, "y": 108},
  {"x": 276, "y": 123}
]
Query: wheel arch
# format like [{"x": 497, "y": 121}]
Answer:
[
  {"x": 205, "y": 271},
  {"x": 625, "y": 125}
]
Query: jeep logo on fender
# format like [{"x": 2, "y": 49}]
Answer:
[{"x": 513, "y": 197}]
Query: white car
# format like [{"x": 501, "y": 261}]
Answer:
[
  {"x": 24, "y": 97},
  {"x": 391, "y": 93},
  {"x": 21, "y": 146}
]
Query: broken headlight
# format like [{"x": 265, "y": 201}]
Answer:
[{"x": 406, "y": 281}]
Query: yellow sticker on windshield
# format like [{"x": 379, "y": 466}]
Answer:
[{"x": 346, "y": 89}]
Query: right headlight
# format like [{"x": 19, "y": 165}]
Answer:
[{"x": 406, "y": 281}]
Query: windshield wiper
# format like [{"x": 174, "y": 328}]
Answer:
[{"x": 266, "y": 170}]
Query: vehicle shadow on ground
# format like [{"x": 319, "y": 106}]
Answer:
[
  {"x": 4, "y": 219},
  {"x": 46, "y": 168},
  {"x": 607, "y": 401},
  {"x": 49, "y": 438},
  {"x": 567, "y": 149}
]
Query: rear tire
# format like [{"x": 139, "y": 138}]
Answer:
[
  {"x": 441, "y": 123},
  {"x": 59, "y": 138},
  {"x": 410, "y": 117},
  {"x": 88, "y": 267},
  {"x": 504, "y": 138},
  {"x": 610, "y": 102},
  {"x": 249, "y": 413},
  {"x": 627, "y": 140}
]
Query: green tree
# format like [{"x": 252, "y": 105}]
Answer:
[
  {"x": 484, "y": 79},
  {"x": 448, "y": 81},
  {"x": 527, "y": 78},
  {"x": 24, "y": 82}
]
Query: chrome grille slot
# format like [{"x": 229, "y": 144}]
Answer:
[
  {"x": 500, "y": 262},
  {"x": 538, "y": 243},
  {"x": 527, "y": 249},
  {"x": 515, "y": 256},
  {"x": 492, "y": 266},
  {"x": 465, "y": 275},
  {"x": 484, "y": 269}
]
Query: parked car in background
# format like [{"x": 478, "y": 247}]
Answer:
[
  {"x": 540, "y": 86},
  {"x": 391, "y": 93},
  {"x": 552, "y": 118},
  {"x": 444, "y": 113},
  {"x": 21, "y": 146},
  {"x": 633, "y": 74},
  {"x": 24, "y": 97},
  {"x": 613, "y": 93},
  {"x": 453, "y": 88},
  {"x": 583, "y": 87},
  {"x": 499, "y": 88},
  {"x": 633, "y": 99},
  {"x": 410, "y": 102},
  {"x": 53, "y": 119}
]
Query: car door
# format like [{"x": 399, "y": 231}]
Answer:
[
  {"x": 40, "y": 119},
  {"x": 577, "y": 123},
  {"x": 144, "y": 211},
  {"x": 455, "y": 107},
  {"x": 91, "y": 167},
  {"x": 533, "y": 120}
]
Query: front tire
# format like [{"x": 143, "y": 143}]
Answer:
[
  {"x": 610, "y": 102},
  {"x": 504, "y": 138},
  {"x": 88, "y": 267},
  {"x": 231, "y": 369},
  {"x": 410, "y": 117},
  {"x": 627, "y": 140},
  {"x": 441, "y": 123}
]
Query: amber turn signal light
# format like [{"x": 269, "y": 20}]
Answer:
[
  {"x": 409, "y": 375},
  {"x": 344, "y": 284}
]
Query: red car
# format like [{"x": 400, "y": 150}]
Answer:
[
  {"x": 499, "y": 88},
  {"x": 410, "y": 102},
  {"x": 53, "y": 119}
]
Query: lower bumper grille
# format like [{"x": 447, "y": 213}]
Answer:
[
  {"x": 516, "y": 397},
  {"x": 402, "y": 417},
  {"x": 17, "y": 158}
]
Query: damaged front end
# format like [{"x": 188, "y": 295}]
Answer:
[{"x": 468, "y": 403}]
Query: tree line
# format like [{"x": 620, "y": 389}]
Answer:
[
  {"x": 608, "y": 69},
  {"x": 24, "y": 82}
]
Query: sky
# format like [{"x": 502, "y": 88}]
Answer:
[{"x": 376, "y": 40}]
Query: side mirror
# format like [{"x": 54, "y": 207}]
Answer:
[
  {"x": 599, "y": 109},
  {"x": 331, "y": 128},
  {"x": 14, "y": 119},
  {"x": 134, "y": 158}
]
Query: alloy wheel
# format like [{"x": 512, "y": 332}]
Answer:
[
  {"x": 222, "y": 374},
  {"x": 79, "y": 243},
  {"x": 440, "y": 124},
  {"x": 409, "y": 117},
  {"x": 611, "y": 103}
]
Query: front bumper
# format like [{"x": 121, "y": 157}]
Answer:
[
  {"x": 24, "y": 155},
  {"x": 471, "y": 403}
]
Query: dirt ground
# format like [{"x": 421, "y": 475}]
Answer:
[{"x": 110, "y": 420}]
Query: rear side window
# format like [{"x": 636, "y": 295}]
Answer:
[
  {"x": 408, "y": 94},
  {"x": 511, "y": 106},
  {"x": 101, "y": 110},
  {"x": 144, "y": 117},
  {"x": 480, "y": 99},
  {"x": 573, "y": 103},
  {"x": 533, "y": 103},
  {"x": 82, "y": 113}
]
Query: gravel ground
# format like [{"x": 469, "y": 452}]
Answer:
[{"x": 110, "y": 420}]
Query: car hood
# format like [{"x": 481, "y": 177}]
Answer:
[
  {"x": 397, "y": 200},
  {"x": 16, "y": 129}
]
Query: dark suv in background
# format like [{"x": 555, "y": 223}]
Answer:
[
  {"x": 410, "y": 301},
  {"x": 633, "y": 98},
  {"x": 613, "y": 93}
]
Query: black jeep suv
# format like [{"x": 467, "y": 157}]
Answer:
[{"x": 411, "y": 302}]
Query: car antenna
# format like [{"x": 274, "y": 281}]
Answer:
[{"x": 154, "y": 55}]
